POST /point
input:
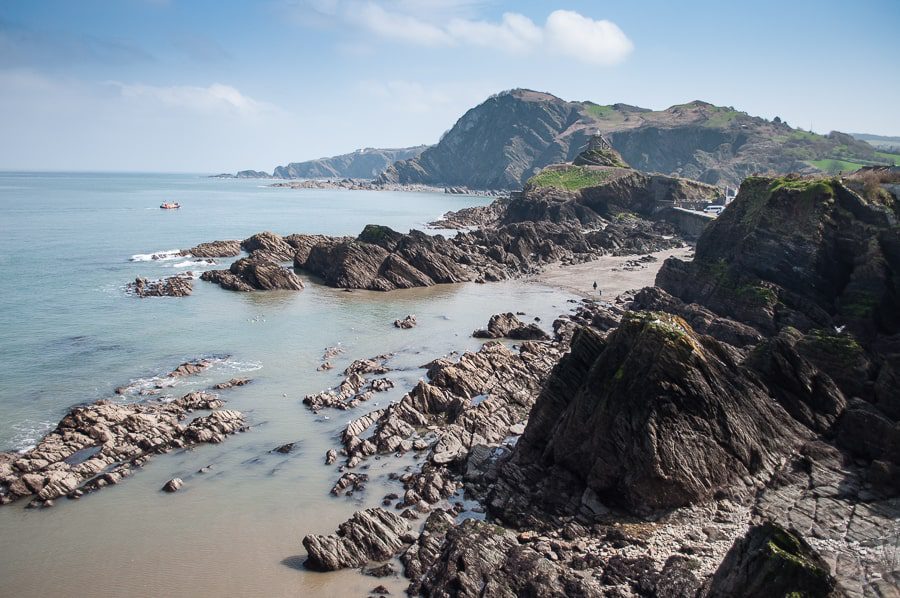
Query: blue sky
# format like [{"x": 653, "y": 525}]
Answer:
[{"x": 203, "y": 86}]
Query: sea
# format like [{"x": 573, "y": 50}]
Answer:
[{"x": 69, "y": 334}]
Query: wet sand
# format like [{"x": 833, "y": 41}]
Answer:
[{"x": 609, "y": 273}]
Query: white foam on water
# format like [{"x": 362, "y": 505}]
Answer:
[
  {"x": 156, "y": 256},
  {"x": 28, "y": 432}
]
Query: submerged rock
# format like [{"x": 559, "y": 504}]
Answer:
[
  {"x": 406, "y": 323},
  {"x": 173, "y": 485}
]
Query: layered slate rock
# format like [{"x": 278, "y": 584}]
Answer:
[
  {"x": 373, "y": 534},
  {"x": 808, "y": 253},
  {"x": 655, "y": 417},
  {"x": 214, "y": 249},
  {"x": 814, "y": 264},
  {"x": 257, "y": 272},
  {"x": 271, "y": 243},
  {"x": 99, "y": 444}
]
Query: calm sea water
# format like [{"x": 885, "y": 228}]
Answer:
[{"x": 69, "y": 334}]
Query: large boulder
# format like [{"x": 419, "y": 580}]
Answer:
[
  {"x": 655, "y": 417},
  {"x": 509, "y": 326},
  {"x": 372, "y": 534},
  {"x": 271, "y": 243}
]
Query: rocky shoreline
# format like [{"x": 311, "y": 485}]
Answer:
[
  {"x": 99, "y": 444},
  {"x": 374, "y": 185},
  {"x": 733, "y": 430},
  {"x": 704, "y": 437}
]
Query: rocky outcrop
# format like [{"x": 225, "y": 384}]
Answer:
[
  {"x": 808, "y": 253},
  {"x": 370, "y": 535},
  {"x": 99, "y": 444},
  {"x": 214, "y": 249},
  {"x": 477, "y": 400},
  {"x": 772, "y": 561},
  {"x": 351, "y": 392},
  {"x": 509, "y": 326},
  {"x": 257, "y": 272},
  {"x": 364, "y": 163},
  {"x": 406, "y": 323},
  {"x": 180, "y": 285},
  {"x": 274, "y": 246},
  {"x": 814, "y": 266},
  {"x": 655, "y": 417},
  {"x": 173, "y": 485}
]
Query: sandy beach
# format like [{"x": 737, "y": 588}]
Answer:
[{"x": 613, "y": 274}]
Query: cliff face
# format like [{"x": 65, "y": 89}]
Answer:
[
  {"x": 498, "y": 144},
  {"x": 362, "y": 164},
  {"x": 511, "y": 136}
]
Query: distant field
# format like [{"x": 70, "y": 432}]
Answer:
[
  {"x": 889, "y": 156},
  {"x": 835, "y": 166}
]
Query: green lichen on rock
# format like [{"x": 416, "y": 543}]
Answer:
[
  {"x": 857, "y": 304},
  {"x": 834, "y": 343},
  {"x": 771, "y": 561}
]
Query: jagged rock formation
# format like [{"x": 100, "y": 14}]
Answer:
[
  {"x": 373, "y": 534},
  {"x": 180, "y": 285},
  {"x": 99, "y": 444},
  {"x": 599, "y": 152},
  {"x": 655, "y": 417},
  {"x": 214, "y": 249},
  {"x": 508, "y": 138},
  {"x": 509, "y": 326},
  {"x": 262, "y": 269},
  {"x": 349, "y": 393},
  {"x": 760, "y": 394}
]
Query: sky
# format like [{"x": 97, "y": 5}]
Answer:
[{"x": 219, "y": 86}]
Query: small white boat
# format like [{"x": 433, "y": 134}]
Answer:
[{"x": 170, "y": 205}]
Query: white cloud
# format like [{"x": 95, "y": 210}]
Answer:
[
  {"x": 215, "y": 97},
  {"x": 576, "y": 36},
  {"x": 445, "y": 23}
]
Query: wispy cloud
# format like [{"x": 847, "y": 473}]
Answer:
[
  {"x": 201, "y": 99},
  {"x": 448, "y": 23}
]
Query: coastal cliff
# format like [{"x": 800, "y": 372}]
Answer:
[{"x": 507, "y": 139}]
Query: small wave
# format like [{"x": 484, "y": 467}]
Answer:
[
  {"x": 191, "y": 264},
  {"x": 167, "y": 254},
  {"x": 241, "y": 366},
  {"x": 28, "y": 433}
]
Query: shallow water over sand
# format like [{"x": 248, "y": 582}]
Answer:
[{"x": 68, "y": 334}]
